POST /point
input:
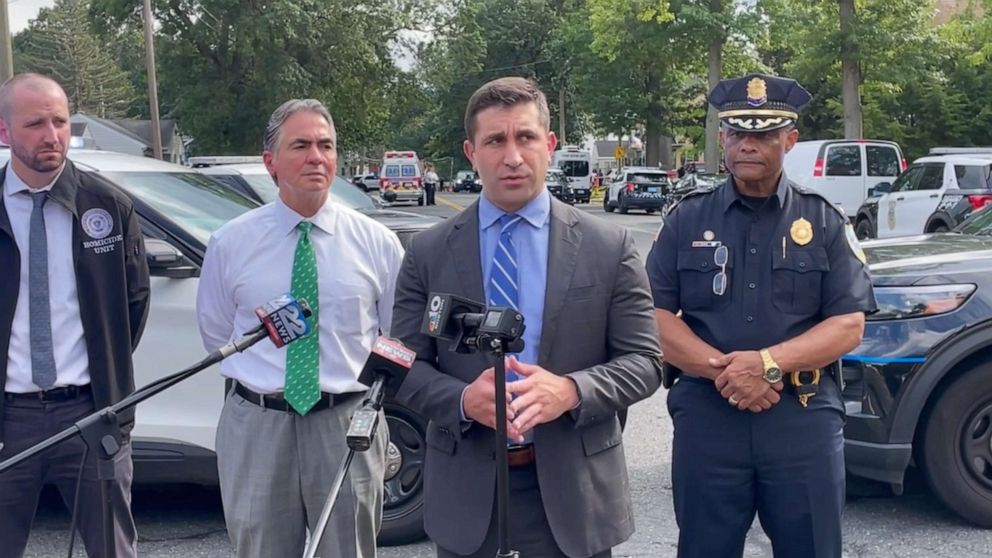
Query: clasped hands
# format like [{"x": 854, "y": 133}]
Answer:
[
  {"x": 541, "y": 396},
  {"x": 741, "y": 381}
]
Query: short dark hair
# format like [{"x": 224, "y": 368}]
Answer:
[{"x": 506, "y": 92}]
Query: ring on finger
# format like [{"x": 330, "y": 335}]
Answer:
[{"x": 733, "y": 401}]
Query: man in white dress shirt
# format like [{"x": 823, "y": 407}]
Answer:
[{"x": 281, "y": 435}]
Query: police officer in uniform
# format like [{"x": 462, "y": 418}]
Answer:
[{"x": 759, "y": 287}]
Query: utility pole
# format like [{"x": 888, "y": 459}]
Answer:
[
  {"x": 152, "y": 80},
  {"x": 6, "y": 50},
  {"x": 561, "y": 114}
]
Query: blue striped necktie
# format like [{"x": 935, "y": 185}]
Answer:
[{"x": 504, "y": 283}]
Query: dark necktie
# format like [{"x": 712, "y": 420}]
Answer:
[{"x": 42, "y": 354}]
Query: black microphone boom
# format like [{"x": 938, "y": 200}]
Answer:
[{"x": 101, "y": 430}]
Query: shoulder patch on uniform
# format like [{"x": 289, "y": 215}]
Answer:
[
  {"x": 852, "y": 241},
  {"x": 808, "y": 192}
]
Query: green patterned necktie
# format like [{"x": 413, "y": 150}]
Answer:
[{"x": 303, "y": 356}]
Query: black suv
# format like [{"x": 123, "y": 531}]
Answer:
[{"x": 919, "y": 387}]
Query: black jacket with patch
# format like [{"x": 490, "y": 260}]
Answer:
[{"x": 111, "y": 279}]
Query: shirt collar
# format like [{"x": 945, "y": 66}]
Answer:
[
  {"x": 729, "y": 193},
  {"x": 536, "y": 212},
  {"x": 13, "y": 184},
  {"x": 287, "y": 219}
]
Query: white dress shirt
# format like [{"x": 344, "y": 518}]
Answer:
[
  {"x": 249, "y": 261},
  {"x": 69, "y": 345}
]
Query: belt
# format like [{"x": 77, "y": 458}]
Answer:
[
  {"x": 277, "y": 402},
  {"x": 55, "y": 394},
  {"x": 520, "y": 456}
]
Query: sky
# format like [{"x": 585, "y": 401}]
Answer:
[{"x": 20, "y": 11}]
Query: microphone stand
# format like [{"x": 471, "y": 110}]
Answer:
[
  {"x": 101, "y": 432},
  {"x": 502, "y": 458},
  {"x": 365, "y": 420}
]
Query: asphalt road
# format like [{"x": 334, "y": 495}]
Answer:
[{"x": 186, "y": 522}]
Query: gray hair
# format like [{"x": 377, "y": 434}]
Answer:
[
  {"x": 270, "y": 141},
  {"x": 37, "y": 82}
]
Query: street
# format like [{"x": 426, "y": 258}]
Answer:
[{"x": 187, "y": 521}]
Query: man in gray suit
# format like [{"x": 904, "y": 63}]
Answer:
[{"x": 590, "y": 349}]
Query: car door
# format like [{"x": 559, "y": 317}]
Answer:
[
  {"x": 914, "y": 206},
  {"x": 843, "y": 180},
  {"x": 886, "y": 221}
]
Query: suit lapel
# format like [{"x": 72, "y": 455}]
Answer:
[
  {"x": 463, "y": 240},
  {"x": 564, "y": 239},
  {"x": 4, "y": 218}
]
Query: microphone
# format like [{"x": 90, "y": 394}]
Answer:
[
  {"x": 471, "y": 325},
  {"x": 384, "y": 371},
  {"x": 283, "y": 319}
]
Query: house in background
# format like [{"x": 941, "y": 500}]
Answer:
[{"x": 133, "y": 137}]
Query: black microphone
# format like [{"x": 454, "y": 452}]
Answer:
[
  {"x": 471, "y": 325},
  {"x": 283, "y": 319},
  {"x": 384, "y": 371}
]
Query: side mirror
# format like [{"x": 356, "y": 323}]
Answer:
[
  {"x": 389, "y": 196},
  {"x": 881, "y": 188},
  {"x": 164, "y": 260}
]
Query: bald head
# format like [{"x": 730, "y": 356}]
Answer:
[{"x": 25, "y": 83}]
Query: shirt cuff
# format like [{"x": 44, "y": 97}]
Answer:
[{"x": 461, "y": 406}]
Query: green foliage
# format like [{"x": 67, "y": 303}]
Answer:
[{"x": 60, "y": 43}]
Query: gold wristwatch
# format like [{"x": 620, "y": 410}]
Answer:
[{"x": 772, "y": 374}]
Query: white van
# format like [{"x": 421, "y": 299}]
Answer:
[
  {"x": 844, "y": 170},
  {"x": 400, "y": 177},
  {"x": 576, "y": 163}
]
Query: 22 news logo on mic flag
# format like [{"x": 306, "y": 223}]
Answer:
[{"x": 284, "y": 318}]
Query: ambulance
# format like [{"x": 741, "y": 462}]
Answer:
[{"x": 400, "y": 177}]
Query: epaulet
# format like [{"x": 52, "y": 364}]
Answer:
[
  {"x": 697, "y": 192},
  {"x": 809, "y": 192}
]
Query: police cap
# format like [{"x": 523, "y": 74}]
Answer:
[{"x": 757, "y": 103}]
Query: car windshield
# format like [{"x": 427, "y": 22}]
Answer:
[
  {"x": 342, "y": 191},
  {"x": 652, "y": 177},
  {"x": 979, "y": 224},
  {"x": 193, "y": 201}
]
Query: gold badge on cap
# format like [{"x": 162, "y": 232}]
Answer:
[
  {"x": 801, "y": 231},
  {"x": 757, "y": 92}
]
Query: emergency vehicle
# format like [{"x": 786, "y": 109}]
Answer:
[{"x": 400, "y": 179}]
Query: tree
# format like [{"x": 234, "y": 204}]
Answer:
[
  {"x": 60, "y": 44},
  {"x": 224, "y": 65}
]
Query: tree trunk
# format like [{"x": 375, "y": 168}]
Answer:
[
  {"x": 715, "y": 57},
  {"x": 850, "y": 71}
]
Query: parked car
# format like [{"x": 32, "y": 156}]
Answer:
[
  {"x": 918, "y": 389},
  {"x": 367, "y": 182},
  {"x": 844, "y": 170},
  {"x": 690, "y": 183},
  {"x": 637, "y": 188},
  {"x": 466, "y": 181},
  {"x": 935, "y": 194},
  {"x": 255, "y": 182},
  {"x": 557, "y": 184},
  {"x": 173, "y": 438}
]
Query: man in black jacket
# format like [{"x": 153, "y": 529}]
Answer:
[{"x": 73, "y": 301}]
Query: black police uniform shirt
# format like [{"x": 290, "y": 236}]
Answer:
[{"x": 791, "y": 264}]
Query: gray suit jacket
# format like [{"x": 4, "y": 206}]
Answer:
[{"x": 599, "y": 328}]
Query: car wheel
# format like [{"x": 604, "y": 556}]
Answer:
[
  {"x": 621, "y": 204},
  {"x": 606, "y": 202},
  {"x": 650, "y": 211},
  {"x": 403, "y": 495},
  {"x": 941, "y": 228},
  {"x": 863, "y": 230},
  {"x": 957, "y": 446},
  {"x": 420, "y": 202}
]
